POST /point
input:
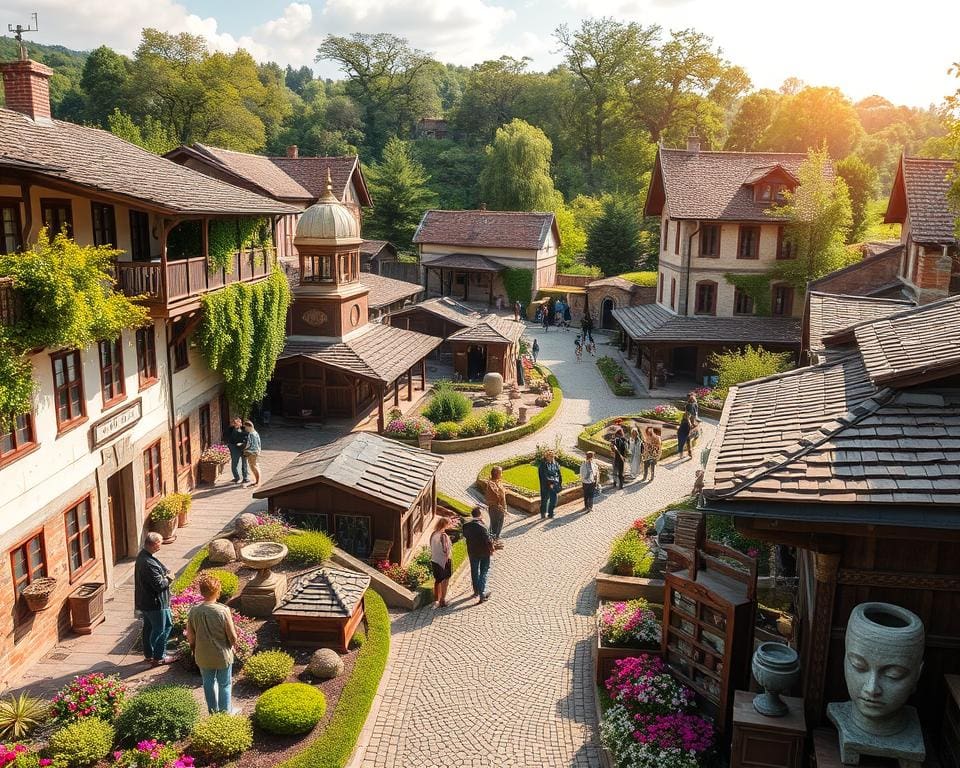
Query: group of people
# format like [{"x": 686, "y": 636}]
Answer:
[
  {"x": 581, "y": 342},
  {"x": 244, "y": 444},
  {"x": 481, "y": 541},
  {"x": 636, "y": 450}
]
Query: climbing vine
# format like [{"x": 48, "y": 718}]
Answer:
[
  {"x": 242, "y": 334},
  {"x": 757, "y": 287},
  {"x": 519, "y": 284},
  {"x": 185, "y": 241},
  {"x": 66, "y": 299},
  {"x": 227, "y": 236}
]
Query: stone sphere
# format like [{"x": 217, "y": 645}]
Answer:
[
  {"x": 325, "y": 664},
  {"x": 244, "y": 523},
  {"x": 221, "y": 551},
  {"x": 493, "y": 384}
]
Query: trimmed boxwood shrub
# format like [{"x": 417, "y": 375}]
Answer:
[
  {"x": 308, "y": 547},
  {"x": 83, "y": 743},
  {"x": 229, "y": 582},
  {"x": 222, "y": 736},
  {"x": 290, "y": 708},
  {"x": 268, "y": 668},
  {"x": 447, "y": 430},
  {"x": 631, "y": 549},
  {"x": 185, "y": 579},
  {"x": 162, "y": 712},
  {"x": 616, "y": 378}
]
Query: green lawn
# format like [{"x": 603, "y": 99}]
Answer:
[
  {"x": 526, "y": 476},
  {"x": 647, "y": 279}
]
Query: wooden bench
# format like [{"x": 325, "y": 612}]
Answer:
[{"x": 381, "y": 551}]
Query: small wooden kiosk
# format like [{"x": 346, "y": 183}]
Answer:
[{"x": 322, "y": 607}]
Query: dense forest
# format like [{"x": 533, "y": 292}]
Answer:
[{"x": 579, "y": 140}]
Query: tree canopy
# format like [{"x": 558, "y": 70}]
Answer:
[
  {"x": 516, "y": 174},
  {"x": 614, "y": 241}
]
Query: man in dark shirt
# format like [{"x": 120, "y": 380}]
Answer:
[
  {"x": 237, "y": 443},
  {"x": 479, "y": 547},
  {"x": 619, "y": 447},
  {"x": 151, "y": 596},
  {"x": 549, "y": 473}
]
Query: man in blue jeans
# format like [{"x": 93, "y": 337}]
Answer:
[
  {"x": 151, "y": 596},
  {"x": 237, "y": 443},
  {"x": 549, "y": 472},
  {"x": 479, "y": 546}
]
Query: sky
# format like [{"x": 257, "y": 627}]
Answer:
[{"x": 900, "y": 50}]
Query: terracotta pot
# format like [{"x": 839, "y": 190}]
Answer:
[
  {"x": 183, "y": 519},
  {"x": 37, "y": 593},
  {"x": 166, "y": 528},
  {"x": 425, "y": 441},
  {"x": 210, "y": 471}
]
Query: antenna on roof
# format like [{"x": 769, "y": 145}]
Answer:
[{"x": 18, "y": 31}]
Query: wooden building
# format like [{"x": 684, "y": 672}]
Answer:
[
  {"x": 489, "y": 346},
  {"x": 362, "y": 489},
  {"x": 855, "y": 462},
  {"x": 440, "y": 317},
  {"x": 336, "y": 362},
  {"x": 375, "y": 253}
]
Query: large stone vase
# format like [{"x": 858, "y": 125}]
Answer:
[
  {"x": 776, "y": 667},
  {"x": 493, "y": 384},
  {"x": 882, "y": 662}
]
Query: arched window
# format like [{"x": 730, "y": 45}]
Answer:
[{"x": 706, "y": 298}]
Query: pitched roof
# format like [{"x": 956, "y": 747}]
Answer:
[
  {"x": 324, "y": 592},
  {"x": 311, "y": 174},
  {"x": 386, "y": 290},
  {"x": 371, "y": 248},
  {"x": 875, "y": 274},
  {"x": 715, "y": 185},
  {"x": 98, "y": 160},
  {"x": 487, "y": 229},
  {"x": 468, "y": 261},
  {"x": 381, "y": 353},
  {"x": 490, "y": 328},
  {"x": 920, "y": 192},
  {"x": 257, "y": 169},
  {"x": 392, "y": 473},
  {"x": 828, "y": 314},
  {"x": 653, "y": 323},
  {"x": 447, "y": 308}
]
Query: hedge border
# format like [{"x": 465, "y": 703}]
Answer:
[
  {"x": 564, "y": 459},
  {"x": 587, "y": 442},
  {"x": 189, "y": 573},
  {"x": 335, "y": 746}
]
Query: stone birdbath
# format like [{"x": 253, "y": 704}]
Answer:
[{"x": 263, "y": 592}]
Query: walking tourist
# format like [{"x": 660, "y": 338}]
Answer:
[
  {"x": 495, "y": 495},
  {"x": 589, "y": 477},
  {"x": 151, "y": 597},
  {"x": 212, "y": 635},
  {"x": 549, "y": 472},
  {"x": 652, "y": 450},
  {"x": 692, "y": 409},
  {"x": 252, "y": 451},
  {"x": 440, "y": 562},
  {"x": 636, "y": 449},
  {"x": 578, "y": 348},
  {"x": 479, "y": 551},
  {"x": 619, "y": 447},
  {"x": 547, "y": 318},
  {"x": 516, "y": 311},
  {"x": 535, "y": 350},
  {"x": 567, "y": 317},
  {"x": 237, "y": 443},
  {"x": 586, "y": 325},
  {"x": 684, "y": 437}
]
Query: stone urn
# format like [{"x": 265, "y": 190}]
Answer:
[
  {"x": 776, "y": 667},
  {"x": 522, "y": 414},
  {"x": 264, "y": 591},
  {"x": 883, "y": 659},
  {"x": 493, "y": 384}
]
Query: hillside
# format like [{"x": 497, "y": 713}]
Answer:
[{"x": 67, "y": 65}]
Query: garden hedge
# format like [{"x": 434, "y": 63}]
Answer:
[
  {"x": 333, "y": 748},
  {"x": 188, "y": 574},
  {"x": 609, "y": 370},
  {"x": 563, "y": 459}
]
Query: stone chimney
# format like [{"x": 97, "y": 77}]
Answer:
[
  {"x": 293, "y": 151},
  {"x": 693, "y": 143},
  {"x": 26, "y": 86}
]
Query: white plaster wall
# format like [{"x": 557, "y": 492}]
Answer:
[{"x": 543, "y": 261}]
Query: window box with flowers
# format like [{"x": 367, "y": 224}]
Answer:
[
  {"x": 623, "y": 630},
  {"x": 212, "y": 461}
]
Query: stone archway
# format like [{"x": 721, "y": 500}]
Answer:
[{"x": 606, "y": 313}]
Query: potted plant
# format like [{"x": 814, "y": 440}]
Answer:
[
  {"x": 425, "y": 433},
  {"x": 621, "y": 561},
  {"x": 163, "y": 517},
  {"x": 212, "y": 461},
  {"x": 183, "y": 515},
  {"x": 623, "y": 630},
  {"x": 37, "y": 593}
]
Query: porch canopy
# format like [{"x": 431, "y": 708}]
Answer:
[
  {"x": 380, "y": 356},
  {"x": 463, "y": 263}
]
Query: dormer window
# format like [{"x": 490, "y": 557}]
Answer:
[{"x": 766, "y": 192}]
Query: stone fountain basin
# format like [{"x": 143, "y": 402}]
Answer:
[{"x": 263, "y": 555}]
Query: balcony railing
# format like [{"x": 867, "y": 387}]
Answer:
[
  {"x": 187, "y": 278},
  {"x": 11, "y": 306}
]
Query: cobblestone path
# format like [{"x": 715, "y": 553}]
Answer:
[{"x": 509, "y": 683}]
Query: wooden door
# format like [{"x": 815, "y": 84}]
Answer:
[{"x": 118, "y": 517}]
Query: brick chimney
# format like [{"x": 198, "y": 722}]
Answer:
[
  {"x": 293, "y": 151},
  {"x": 26, "y": 86},
  {"x": 693, "y": 143}
]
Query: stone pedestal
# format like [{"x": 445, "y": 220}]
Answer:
[
  {"x": 906, "y": 746},
  {"x": 261, "y": 596},
  {"x": 760, "y": 741}
]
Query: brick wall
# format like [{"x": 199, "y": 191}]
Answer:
[
  {"x": 26, "y": 86},
  {"x": 932, "y": 274},
  {"x": 864, "y": 277}
]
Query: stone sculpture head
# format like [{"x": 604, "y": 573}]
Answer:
[{"x": 882, "y": 663}]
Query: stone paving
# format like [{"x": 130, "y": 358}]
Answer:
[{"x": 509, "y": 682}]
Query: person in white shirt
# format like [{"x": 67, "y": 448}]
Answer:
[
  {"x": 440, "y": 562},
  {"x": 589, "y": 476}
]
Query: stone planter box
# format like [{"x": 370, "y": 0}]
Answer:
[
  {"x": 210, "y": 471},
  {"x": 86, "y": 607},
  {"x": 610, "y": 586}
]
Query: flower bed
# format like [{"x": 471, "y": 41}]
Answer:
[
  {"x": 650, "y": 723},
  {"x": 616, "y": 378},
  {"x": 623, "y": 630},
  {"x": 594, "y": 438}
]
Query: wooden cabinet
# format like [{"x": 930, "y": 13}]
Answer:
[
  {"x": 950, "y": 745},
  {"x": 763, "y": 742},
  {"x": 708, "y": 616}
]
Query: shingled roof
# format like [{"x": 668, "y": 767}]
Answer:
[
  {"x": 362, "y": 463},
  {"x": 473, "y": 262},
  {"x": 380, "y": 354},
  {"x": 715, "y": 185},
  {"x": 835, "y": 434},
  {"x": 445, "y": 307},
  {"x": 828, "y": 314},
  {"x": 920, "y": 193},
  {"x": 490, "y": 328},
  {"x": 325, "y": 593},
  {"x": 652, "y": 323},
  {"x": 387, "y": 290},
  {"x": 98, "y": 160},
  {"x": 487, "y": 229}
]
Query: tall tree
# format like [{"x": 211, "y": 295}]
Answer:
[
  {"x": 811, "y": 118},
  {"x": 614, "y": 242},
  {"x": 753, "y": 117},
  {"x": 516, "y": 175},
  {"x": 389, "y": 80},
  {"x": 398, "y": 185},
  {"x": 861, "y": 180},
  {"x": 297, "y": 79},
  {"x": 104, "y": 83},
  {"x": 818, "y": 220},
  {"x": 152, "y": 135},
  {"x": 490, "y": 96}
]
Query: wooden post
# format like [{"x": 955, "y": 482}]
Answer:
[
  {"x": 423, "y": 374},
  {"x": 410, "y": 384},
  {"x": 491, "y": 289},
  {"x": 652, "y": 365},
  {"x": 466, "y": 286},
  {"x": 826, "y": 568},
  {"x": 323, "y": 391},
  {"x": 396, "y": 392},
  {"x": 380, "y": 424}
]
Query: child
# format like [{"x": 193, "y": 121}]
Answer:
[{"x": 578, "y": 348}]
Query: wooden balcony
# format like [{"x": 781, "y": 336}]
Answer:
[
  {"x": 11, "y": 306},
  {"x": 181, "y": 284}
]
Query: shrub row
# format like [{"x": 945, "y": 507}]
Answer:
[{"x": 616, "y": 378}]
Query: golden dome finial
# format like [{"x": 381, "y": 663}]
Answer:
[{"x": 328, "y": 196}]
